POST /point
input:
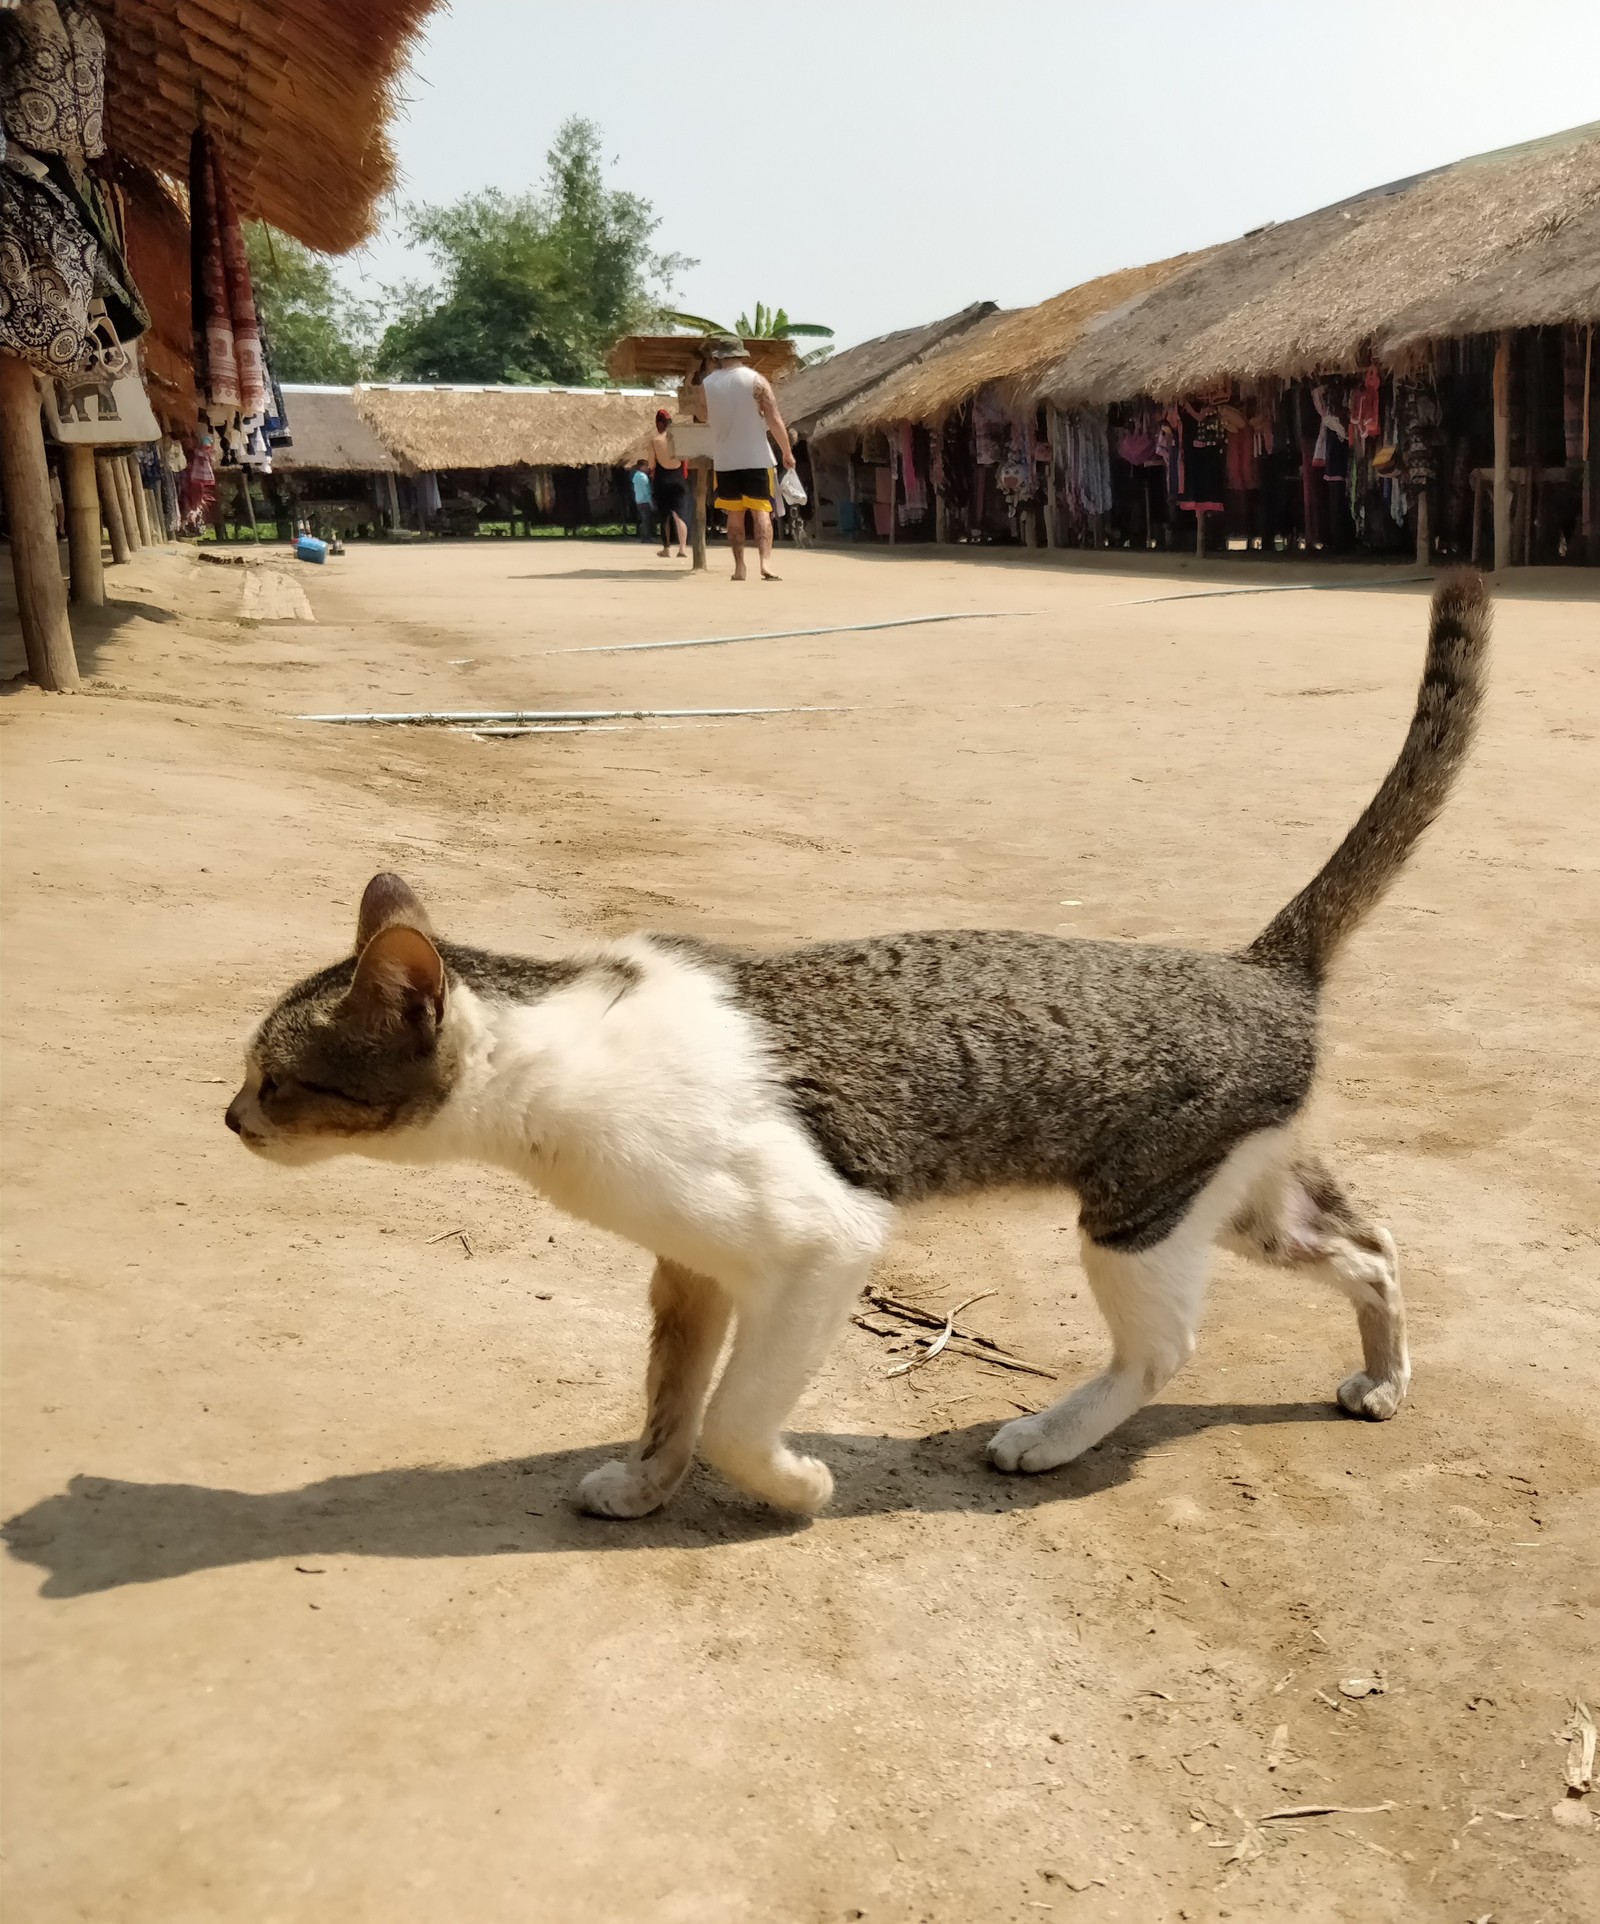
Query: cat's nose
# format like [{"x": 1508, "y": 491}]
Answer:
[{"x": 232, "y": 1117}]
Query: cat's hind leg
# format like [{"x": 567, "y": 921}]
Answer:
[
  {"x": 691, "y": 1318},
  {"x": 1152, "y": 1301},
  {"x": 1299, "y": 1218}
]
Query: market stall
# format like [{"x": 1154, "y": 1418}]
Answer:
[{"x": 136, "y": 136}]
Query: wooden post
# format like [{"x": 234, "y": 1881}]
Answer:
[
  {"x": 111, "y": 508},
  {"x": 394, "y": 503},
  {"x": 697, "y": 533},
  {"x": 141, "y": 506},
  {"x": 850, "y": 485},
  {"x": 1200, "y": 531},
  {"x": 31, "y": 516},
  {"x": 83, "y": 526},
  {"x": 1052, "y": 527},
  {"x": 130, "y": 517},
  {"x": 941, "y": 520},
  {"x": 1424, "y": 537},
  {"x": 1502, "y": 452}
]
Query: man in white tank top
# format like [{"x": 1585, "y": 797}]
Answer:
[{"x": 742, "y": 411}]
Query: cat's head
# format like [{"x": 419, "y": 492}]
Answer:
[{"x": 357, "y": 1054}]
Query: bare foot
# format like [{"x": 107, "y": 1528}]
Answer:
[
  {"x": 768, "y": 575},
  {"x": 683, "y": 554},
  {"x": 738, "y": 574}
]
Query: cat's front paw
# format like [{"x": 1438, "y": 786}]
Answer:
[
  {"x": 619, "y": 1490},
  {"x": 1026, "y": 1446}
]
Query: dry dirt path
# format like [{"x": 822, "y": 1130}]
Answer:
[{"x": 300, "y": 1623}]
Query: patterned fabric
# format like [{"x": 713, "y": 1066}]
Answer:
[
  {"x": 52, "y": 79},
  {"x": 47, "y": 275},
  {"x": 215, "y": 366}
]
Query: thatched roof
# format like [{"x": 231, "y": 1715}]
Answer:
[
  {"x": 1508, "y": 239},
  {"x": 298, "y": 95},
  {"x": 329, "y": 434},
  {"x": 507, "y": 427},
  {"x": 685, "y": 357},
  {"x": 811, "y": 392},
  {"x": 1011, "y": 348}
]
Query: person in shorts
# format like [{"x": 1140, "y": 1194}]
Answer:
[
  {"x": 742, "y": 412},
  {"x": 671, "y": 483}
]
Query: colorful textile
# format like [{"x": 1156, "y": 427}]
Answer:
[
  {"x": 229, "y": 370},
  {"x": 1083, "y": 449},
  {"x": 1575, "y": 350},
  {"x": 915, "y": 504}
]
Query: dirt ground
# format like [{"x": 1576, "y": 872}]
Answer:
[{"x": 300, "y": 1622}]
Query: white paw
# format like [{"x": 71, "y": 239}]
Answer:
[
  {"x": 778, "y": 1476},
  {"x": 799, "y": 1483},
  {"x": 1360, "y": 1396},
  {"x": 618, "y": 1490},
  {"x": 1027, "y": 1445}
]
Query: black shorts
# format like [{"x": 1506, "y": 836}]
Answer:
[
  {"x": 672, "y": 496},
  {"x": 740, "y": 488}
]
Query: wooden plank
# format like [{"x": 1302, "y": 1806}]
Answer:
[
  {"x": 141, "y": 507},
  {"x": 82, "y": 495},
  {"x": 31, "y": 518},
  {"x": 1502, "y": 452},
  {"x": 697, "y": 533}
]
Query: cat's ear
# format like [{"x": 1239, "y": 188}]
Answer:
[
  {"x": 399, "y": 984},
  {"x": 385, "y": 901}
]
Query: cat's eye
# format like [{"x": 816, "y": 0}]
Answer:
[{"x": 268, "y": 1088}]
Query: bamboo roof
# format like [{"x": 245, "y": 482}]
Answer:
[
  {"x": 439, "y": 427},
  {"x": 808, "y": 394},
  {"x": 1011, "y": 348},
  {"x": 1506, "y": 239},
  {"x": 330, "y": 435},
  {"x": 685, "y": 357},
  {"x": 298, "y": 95}
]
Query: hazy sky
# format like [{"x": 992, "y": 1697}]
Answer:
[{"x": 875, "y": 163}]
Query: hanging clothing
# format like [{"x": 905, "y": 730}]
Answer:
[
  {"x": 915, "y": 505},
  {"x": 1575, "y": 348},
  {"x": 1083, "y": 454},
  {"x": 52, "y": 79},
  {"x": 990, "y": 428},
  {"x": 1203, "y": 472},
  {"x": 47, "y": 271}
]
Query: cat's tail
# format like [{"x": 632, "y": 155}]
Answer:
[{"x": 1305, "y": 935}]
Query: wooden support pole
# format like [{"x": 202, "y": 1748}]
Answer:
[
  {"x": 394, "y": 503},
  {"x": 111, "y": 508},
  {"x": 141, "y": 507},
  {"x": 1052, "y": 526},
  {"x": 1424, "y": 537},
  {"x": 697, "y": 532},
  {"x": 82, "y": 495},
  {"x": 130, "y": 514},
  {"x": 31, "y": 518},
  {"x": 1502, "y": 452}
]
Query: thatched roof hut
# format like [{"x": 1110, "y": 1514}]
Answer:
[
  {"x": 1503, "y": 240},
  {"x": 330, "y": 435},
  {"x": 298, "y": 96},
  {"x": 432, "y": 428},
  {"x": 1011, "y": 347},
  {"x": 810, "y": 393}
]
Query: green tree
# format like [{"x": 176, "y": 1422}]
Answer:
[
  {"x": 316, "y": 330},
  {"x": 536, "y": 286}
]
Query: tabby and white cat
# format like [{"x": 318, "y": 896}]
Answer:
[{"x": 756, "y": 1120}]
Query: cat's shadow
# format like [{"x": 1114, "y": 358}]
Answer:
[{"x": 100, "y": 1532}]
